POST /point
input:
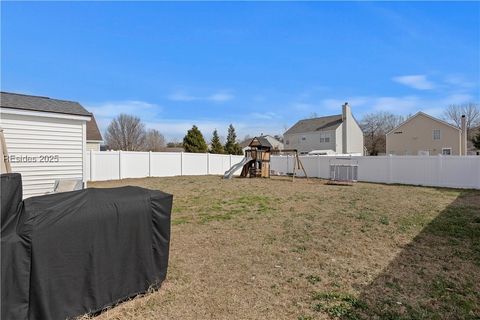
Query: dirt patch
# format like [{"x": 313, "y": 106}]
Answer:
[{"x": 277, "y": 249}]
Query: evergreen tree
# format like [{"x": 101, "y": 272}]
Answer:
[
  {"x": 194, "y": 141},
  {"x": 231, "y": 146},
  {"x": 476, "y": 141},
  {"x": 216, "y": 145}
]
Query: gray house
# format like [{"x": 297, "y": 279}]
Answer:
[{"x": 330, "y": 135}]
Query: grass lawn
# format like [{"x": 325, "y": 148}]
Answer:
[{"x": 277, "y": 249}]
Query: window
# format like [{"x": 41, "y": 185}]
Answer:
[
  {"x": 324, "y": 137},
  {"x": 287, "y": 142},
  {"x": 304, "y": 138},
  {"x": 436, "y": 134},
  {"x": 446, "y": 151}
]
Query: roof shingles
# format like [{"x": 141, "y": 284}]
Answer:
[
  {"x": 43, "y": 104},
  {"x": 316, "y": 124},
  {"x": 93, "y": 134}
]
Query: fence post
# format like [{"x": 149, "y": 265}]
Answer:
[
  {"x": 91, "y": 165},
  {"x": 149, "y": 163},
  {"x": 439, "y": 170},
  {"x": 208, "y": 163},
  {"x": 181, "y": 163},
  {"x": 478, "y": 170},
  {"x": 318, "y": 167},
  {"x": 389, "y": 166},
  {"x": 288, "y": 164},
  {"x": 120, "y": 164}
]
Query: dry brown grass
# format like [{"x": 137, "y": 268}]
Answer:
[{"x": 273, "y": 249}]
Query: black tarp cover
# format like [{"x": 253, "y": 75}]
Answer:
[{"x": 72, "y": 253}]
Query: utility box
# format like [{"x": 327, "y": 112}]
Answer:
[{"x": 344, "y": 170}]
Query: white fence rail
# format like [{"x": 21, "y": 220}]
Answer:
[
  {"x": 113, "y": 165},
  {"x": 437, "y": 171}
]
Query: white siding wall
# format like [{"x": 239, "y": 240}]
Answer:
[
  {"x": 354, "y": 136},
  {"x": 94, "y": 146},
  {"x": 35, "y": 137},
  {"x": 311, "y": 142}
]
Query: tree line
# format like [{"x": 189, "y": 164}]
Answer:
[
  {"x": 195, "y": 142},
  {"x": 128, "y": 133}
]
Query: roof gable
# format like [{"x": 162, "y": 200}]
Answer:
[
  {"x": 260, "y": 142},
  {"x": 316, "y": 124},
  {"x": 43, "y": 104},
  {"x": 420, "y": 113},
  {"x": 92, "y": 130}
]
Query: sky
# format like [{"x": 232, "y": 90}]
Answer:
[{"x": 261, "y": 66}]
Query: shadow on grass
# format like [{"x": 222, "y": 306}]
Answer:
[{"x": 436, "y": 276}]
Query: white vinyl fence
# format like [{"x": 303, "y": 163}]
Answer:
[
  {"x": 438, "y": 171},
  {"x": 114, "y": 165}
]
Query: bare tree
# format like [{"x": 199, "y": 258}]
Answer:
[
  {"x": 126, "y": 133},
  {"x": 454, "y": 113},
  {"x": 375, "y": 126},
  {"x": 154, "y": 141}
]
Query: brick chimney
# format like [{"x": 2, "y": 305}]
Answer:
[
  {"x": 346, "y": 116},
  {"x": 463, "y": 144}
]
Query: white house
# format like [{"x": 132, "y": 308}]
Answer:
[
  {"x": 45, "y": 138},
  {"x": 94, "y": 137},
  {"x": 337, "y": 134}
]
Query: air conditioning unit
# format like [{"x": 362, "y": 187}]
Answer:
[{"x": 344, "y": 170}]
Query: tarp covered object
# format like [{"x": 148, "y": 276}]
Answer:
[{"x": 78, "y": 252}]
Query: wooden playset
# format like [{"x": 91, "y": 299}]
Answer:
[{"x": 257, "y": 159}]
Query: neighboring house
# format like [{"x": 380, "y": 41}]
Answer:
[
  {"x": 471, "y": 150},
  {"x": 45, "y": 138},
  {"x": 274, "y": 143},
  {"x": 338, "y": 134},
  {"x": 423, "y": 134},
  {"x": 94, "y": 138}
]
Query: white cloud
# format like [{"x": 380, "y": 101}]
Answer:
[
  {"x": 394, "y": 104},
  {"x": 221, "y": 96},
  {"x": 418, "y": 81},
  {"x": 181, "y": 96},
  {"x": 264, "y": 115},
  {"x": 459, "y": 81}
]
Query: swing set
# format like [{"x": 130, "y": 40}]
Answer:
[{"x": 257, "y": 159}]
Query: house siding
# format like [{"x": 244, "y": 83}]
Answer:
[
  {"x": 36, "y": 136},
  {"x": 311, "y": 142},
  {"x": 339, "y": 139},
  {"x": 354, "y": 136},
  {"x": 93, "y": 146},
  {"x": 417, "y": 135}
]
